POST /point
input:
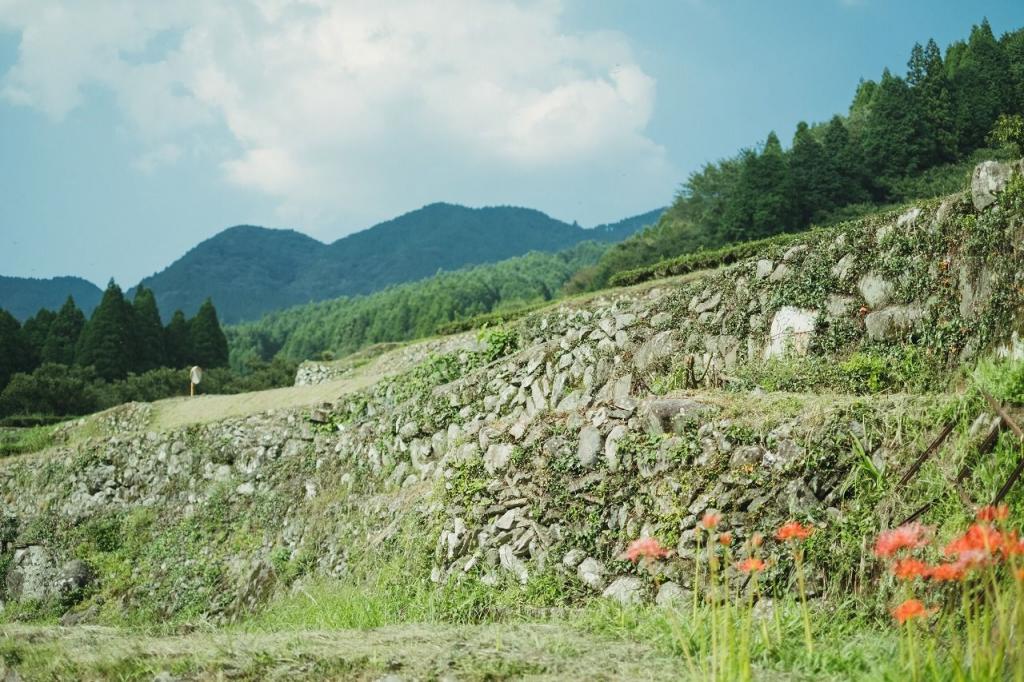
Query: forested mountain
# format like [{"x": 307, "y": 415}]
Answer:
[
  {"x": 23, "y": 297},
  {"x": 903, "y": 137},
  {"x": 408, "y": 311},
  {"x": 252, "y": 270},
  {"x": 616, "y": 232}
]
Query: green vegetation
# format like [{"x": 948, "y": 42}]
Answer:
[
  {"x": 251, "y": 271},
  {"x": 409, "y": 311},
  {"x": 57, "y": 364},
  {"x": 902, "y": 139},
  {"x": 20, "y": 441}
]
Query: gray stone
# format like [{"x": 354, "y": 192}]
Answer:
[
  {"x": 845, "y": 265},
  {"x": 513, "y": 564},
  {"x": 74, "y": 577},
  {"x": 975, "y": 291},
  {"x": 591, "y": 573},
  {"x": 786, "y": 451},
  {"x": 497, "y": 457},
  {"x": 894, "y": 322},
  {"x": 661, "y": 319},
  {"x": 573, "y": 401},
  {"x": 624, "y": 320},
  {"x": 782, "y": 272},
  {"x": 723, "y": 347},
  {"x": 764, "y": 268},
  {"x": 659, "y": 346},
  {"x": 31, "y": 574},
  {"x": 791, "y": 332},
  {"x": 627, "y": 590},
  {"x": 876, "y": 290},
  {"x": 672, "y": 415},
  {"x": 573, "y": 558},
  {"x": 590, "y": 445},
  {"x": 793, "y": 252},
  {"x": 745, "y": 455},
  {"x": 839, "y": 306},
  {"x": 709, "y": 303},
  {"x": 671, "y": 594},
  {"x": 611, "y": 446},
  {"x": 989, "y": 179},
  {"x": 507, "y": 520}
]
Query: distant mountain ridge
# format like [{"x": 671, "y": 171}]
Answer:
[
  {"x": 250, "y": 270},
  {"x": 24, "y": 296}
]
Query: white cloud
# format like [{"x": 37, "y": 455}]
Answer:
[{"x": 347, "y": 112}]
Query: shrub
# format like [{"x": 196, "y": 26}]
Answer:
[{"x": 53, "y": 389}]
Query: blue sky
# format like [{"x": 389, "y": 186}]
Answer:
[{"x": 131, "y": 131}]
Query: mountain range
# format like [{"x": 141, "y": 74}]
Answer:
[
  {"x": 249, "y": 270},
  {"x": 24, "y": 296}
]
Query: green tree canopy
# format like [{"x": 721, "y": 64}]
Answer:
[
  {"x": 35, "y": 330},
  {"x": 108, "y": 340},
  {"x": 981, "y": 75},
  {"x": 65, "y": 331},
  {"x": 15, "y": 353},
  {"x": 149, "y": 332},
  {"x": 809, "y": 173},
  {"x": 176, "y": 341},
  {"x": 207, "y": 342},
  {"x": 893, "y": 134},
  {"x": 52, "y": 389}
]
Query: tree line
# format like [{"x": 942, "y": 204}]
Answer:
[
  {"x": 408, "y": 311},
  {"x": 898, "y": 128},
  {"x": 59, "y": 363}
]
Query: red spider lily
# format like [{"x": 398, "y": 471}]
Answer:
[
  {"x": 725, "y": 539},
  {"x": 711, "y": 520},
  {"x": 1011, "y": 544},
  {"x": 908, "y": 569},
  {"x": 910, "y": 609},
  {"x": 980, "y": 538},
  {"x": 908, "y": 536},
  {"x": 793, "y": 531},
  {"x": 751, "y": 565},
  {"x": 946, "y": 573},
  {"x": 645, "y": 548},
  {"x": 993, "y": 513}
]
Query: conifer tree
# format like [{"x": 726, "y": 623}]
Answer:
[
  {"x": 108, "y": 340},
  {"x": 844, "y": 183},
  {"x": 892, "y": 132},
  {"x": 982, "y": 83},
  {"x": 149, "y": 332},
  {"x": 1013, "y": 47},
  {"x": 933, "y": 104},
  {"x": 207, "y": 342},
  {"x": 35, "y": 331},
  {"x": 65, "y": 331},
  {"x": 176, "y": 341},
  {"x": 15, "y": 354},
  {"x": 809, "y": 172},
  {"x": 772, "y": 191}
]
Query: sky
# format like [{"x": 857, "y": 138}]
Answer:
[{"x": 130, "y": 131}]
